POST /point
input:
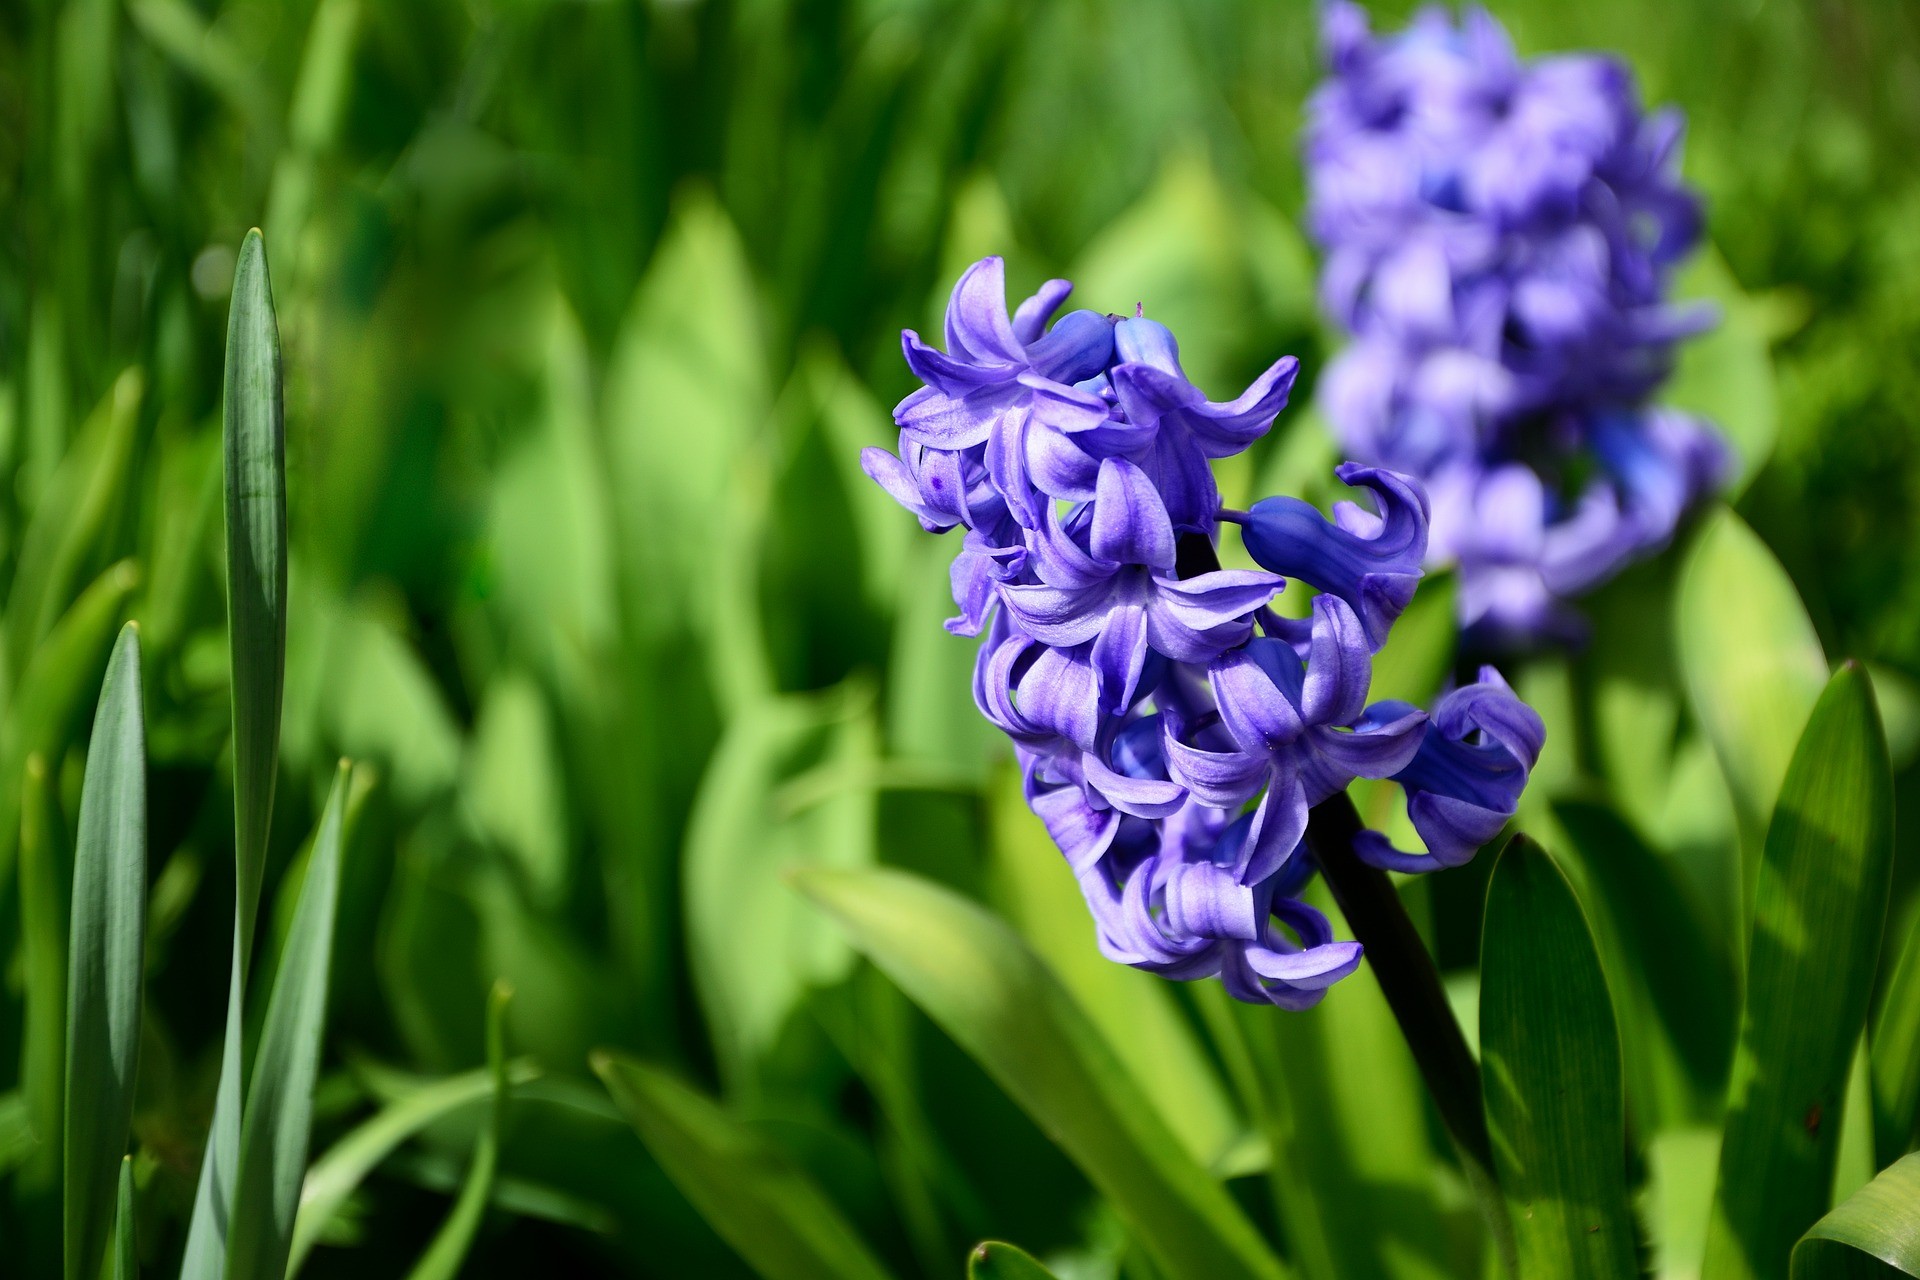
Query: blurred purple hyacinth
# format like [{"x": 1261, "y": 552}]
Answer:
[
  {"x": 1172, "y": 730},
  {"x": 1498, "y": 238}
]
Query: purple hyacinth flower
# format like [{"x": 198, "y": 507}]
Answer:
[
  {"x": 1370, "y": 561},
  {"x": 1464, "y": 783},
  {"x": 1107, "y": 579},
  {"x": 1296, "y": 729}
]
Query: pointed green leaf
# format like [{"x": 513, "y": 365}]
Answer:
[
  {"x": 754, "y": 946},
  {"x": 106, "y": 953},
  {"x": 63, "y": 675},
  {"x": 279, "y": 1100},
  {"x": 1895, "y": 1045},
  {"x": 253, "y": 438},
  {"x": 1819, "y": 908},
  {"x": 1551, "y": 1067},
  {"x": 126, "y": 1240},
  {"x": 1874, "y": 1233},
  {"x": 448, "y": 1251},
  {"x": 986, "y": 988},
  {"x": 86, "y": 492},
  {"x": 343, "y": 1166},
  {"x": 773, "y": 1214},
  {"x": 1751, "y": 660},
  {"x": 993, "y": 1260}
]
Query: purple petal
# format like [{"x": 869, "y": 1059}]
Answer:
[{"x": 1130, "y": 523}]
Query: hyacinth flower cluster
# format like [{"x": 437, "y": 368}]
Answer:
[
  {"x": 1172, "y": 728},
  {"x": 1498, "y": 238}
]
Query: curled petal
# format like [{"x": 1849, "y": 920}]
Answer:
[
  {"x": 1075, "y": 349},
  {"x": 1056, "y": 615},
  {"x": 1465, "y": 781},
  {"x": 1130, "y": 524},
  {"x": 1339, "y": 665},
  {"x": 1370, "y": 561},
  {"x": 1256, "y": 690},
  {"x": 1030, "y": 317},
  {"x": 1205, "y": 901},
  {"x": 977, "y": 326}
]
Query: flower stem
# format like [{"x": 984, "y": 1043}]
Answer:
[{"x": 1411, "y": 984}]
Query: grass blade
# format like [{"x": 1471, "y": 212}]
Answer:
[
  {"x": 279, "y": 1109},
  {"x": 444, "y": 1256},
  {"x": 1819, "y": 907},
  {"x": 993, "y": 1260},
  {"x": 772, "y": 1214},
  {"x": 126, "y": 1239},
  {"x": 1895, "y": 1042},
  {"x": 344, "y": 1165},
  {"x": 106, "y": 952},
  {"x": 1881, "y": 1221},
  {"x": 1552, "y": 1072},
  {"x": 985, "y": 987},
  {"x": 254, "y": 442}
]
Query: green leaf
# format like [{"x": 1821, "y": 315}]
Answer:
[
  {"x": 1136, "y": 1011},
  {"x": 105, "y": 958},
  {"x": 254, "y": 436},
  {"x": 1895, "y": 1046},
  {"x": 985, "y": 987},
  {"x": 1875, "y": 1232},
  {"x": 126, "y": 1239},
  {"x": 773, "y": 1214},
  {"x": 334, "y": 1176},
  {"x": 43, "y": 961},
  {"x": 992, "y": 1260},
  {"x": 1551, "y": 1069},
  {"x": 253, "y": 440},
  {"x": 443, "y": 1258},
  {"x": 1418, "y": 655},
  {"x": 86, "y": 492},
  {"x": 755, "y": 947},
  {"x": 279, "y": 1099},
  {"x": 1819, "y": 908},
  {"x": 1726, "y": 374},
  {"x": 64, "y": 672},
  {"x": 1752, "y": 663}
]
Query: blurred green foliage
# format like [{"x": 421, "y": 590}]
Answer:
[{"x": 586, "y": 309}]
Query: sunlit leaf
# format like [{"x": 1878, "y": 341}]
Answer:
[
  {"x": 773, "y": 1214},
  {"x": 987, "y": 990},
  {"x": 1895, "y": 1045},
  {"x": 105, "y": 959},
  {"x": 1819, "y": 906},
  {"x": 993, "y": 1260},
  {"x": 1551, "y": 1066},
  {"x": 1752, "y": 664},
  {"x": 1874, "y": 1233}
]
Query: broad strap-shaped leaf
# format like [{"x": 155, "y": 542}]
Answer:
[
  {"x": 1819, "y": 908},
  {"x": 279, "y": 1108},
  {"x": 1551, "y": 1068},
  {"x": 1751, "y": 661},
  {"x": 769, "y": 1211},
  {"x": 343, "y": 1166},
  {"x": 994, "y": 1260},
  {"x": 1874, "y": 1232},
  {"x": 106, "y": 951},
  {"x": 253, "y": 440},
  {"x": 448, "y": 1251},
  {"x": 1895, "y": 1046},
  {"x": 126, "y": 1238},
  {"x": 984, "y": 986}
]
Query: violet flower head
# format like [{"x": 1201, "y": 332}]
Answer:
[
  {"x": 1172, "y": 730},
  {"x": 1499, "y": 235}
]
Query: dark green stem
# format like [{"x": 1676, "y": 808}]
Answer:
[{"x": 1412, "y": 986}]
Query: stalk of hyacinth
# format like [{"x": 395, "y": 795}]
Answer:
[
  {"x": 1498, "y": 238},
  {"x": 1173, "y": 731}
]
